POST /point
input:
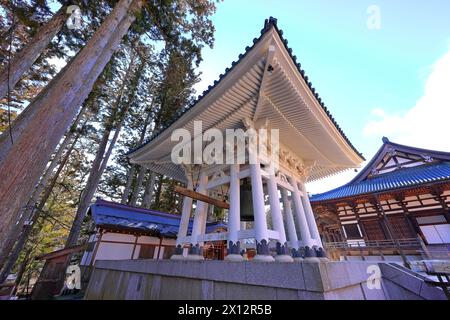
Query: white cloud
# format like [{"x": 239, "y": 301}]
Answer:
[
  {"x": 332, "y": 182},
  {"x": 426, "y": 124}
]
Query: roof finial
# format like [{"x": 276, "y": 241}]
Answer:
[
  {"x": 385, "y": 140},
  {"x": 269, "y": 22},
  {"x": 273, "y": 21}
]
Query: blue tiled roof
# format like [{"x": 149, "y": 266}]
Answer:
[
  {"x": 398, "y": 179},
  {"x": 111, "y": 214}
]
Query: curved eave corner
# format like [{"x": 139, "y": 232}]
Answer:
[{"x": 269, "y": 24}]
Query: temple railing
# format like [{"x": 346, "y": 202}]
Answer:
[{"x": 412, "y": 243}]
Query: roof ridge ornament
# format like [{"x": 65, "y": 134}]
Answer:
[
  {"x": 427, "y": 158},
  {"x": 268, "y": 23}
]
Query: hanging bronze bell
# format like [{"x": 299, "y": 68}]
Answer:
[{"x": 246, "y": 201}]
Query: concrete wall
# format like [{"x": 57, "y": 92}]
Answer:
[{"x": 166, "y": 279}]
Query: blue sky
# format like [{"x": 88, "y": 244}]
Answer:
[
  {"x": 371, "y": 80},
  {"x": 393, "y": 81}
]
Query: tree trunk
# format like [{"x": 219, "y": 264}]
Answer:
[
  {"x": 158, "y": 191},
  {"x": 130, "y": 177},
  {"x": 88, "y": 191},
  {"x": 28, "y": 209},
  {"x": 34, "y": 216},
  {"x": 91, "y": 187},
  {"x": 22, "y": 268},
  {"x": 22, "y": 120},
  {"x": 99, "y": 162},
  {"x": 24, "y": 59},
  {"x": 25, "y": 161},
  {"x": 137, "y": 190},
  {"x": 149, "y": 187},
  {"x": 127, "y": 189}
]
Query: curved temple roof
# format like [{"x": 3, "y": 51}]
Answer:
[
  {"x": 252, "y": 82},
  {"x": 424, "y": 167},
  {"x": 117, "y": 216}
]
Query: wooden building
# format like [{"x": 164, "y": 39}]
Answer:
[
  {"x": 51, "y": 280},
  {"x": 397, "y": 205},
  {"x": 123, "y": 232}
]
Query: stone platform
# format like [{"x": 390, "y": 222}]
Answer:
[{"x": 209, "y": 280}]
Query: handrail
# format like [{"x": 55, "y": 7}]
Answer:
[{"x": 361, "y": 244}]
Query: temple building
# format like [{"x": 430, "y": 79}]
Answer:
[
  {"x": 264, "y": 102},
  {"x": 123, "y": 232},
  {"x": 267, "y": 205},
  {"x": 398, "y": 205}
]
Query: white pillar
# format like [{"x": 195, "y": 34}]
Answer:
[
  {"x": 234, "y": 216},
  {"x": 184, "y": 223},
  {"x": 200, "y": 212},
  {"x": 205, "y": 219},
  {"x": 274, "y": 200},
  {"x": 310, "y": 216},
  {"x": 185, "y": 214},
  {"x": 260, "y": 224},
  {"x": 277, "y": 218},
  {"x": 290, "y": 223},
  {"x": 301, "y": 217}
]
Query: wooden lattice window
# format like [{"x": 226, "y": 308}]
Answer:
[
  {"x": 400, "y": 228},
  {"x": 373, "y": 230},
  {"x": 352, "y": 231}
]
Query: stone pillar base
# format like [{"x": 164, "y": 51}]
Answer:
[
  {"x": 263, "y": 258},
  {"x": 283, "y": 258},
  {"x": 312, "y": 260},
  {"x": 234, "y": 258},
  {"x": 194, "y": 257},
  {"x": 324, "y": 259},
  {"x": 177, "y": 257}
]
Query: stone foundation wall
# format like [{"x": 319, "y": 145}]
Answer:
[{"x": 208, "y": 280}]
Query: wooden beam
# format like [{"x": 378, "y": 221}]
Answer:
[{"x": 201, "y": 197}]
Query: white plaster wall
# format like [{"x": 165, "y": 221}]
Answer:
[
  {"x": 437, "y": 234},
  {"x": 148, "y": 240},
  {"x": 161, "y": 252},
  {"x": 136, "y": 252},
  {"x": 123, "y": 251},
  {"x": 169, "y": 242},
  {"x": 114, "y": 251}
]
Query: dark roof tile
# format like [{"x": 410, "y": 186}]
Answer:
[
  {"x": 401, "y": 178},
  {"x": 119, "y": 216}
]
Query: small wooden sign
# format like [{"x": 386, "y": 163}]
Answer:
[{"x": 201, "y": 197}]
